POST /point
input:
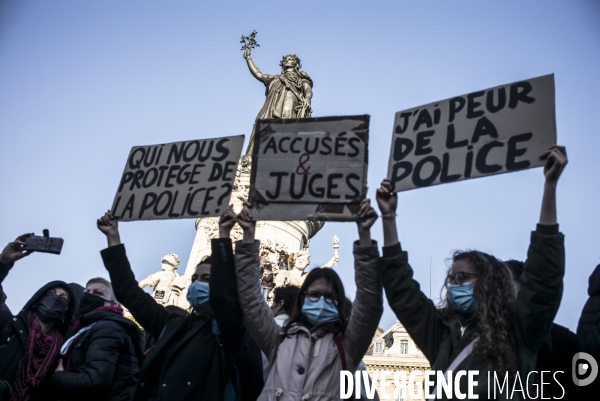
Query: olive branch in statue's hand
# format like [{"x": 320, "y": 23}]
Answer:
[{"x": 249, "y": 42}]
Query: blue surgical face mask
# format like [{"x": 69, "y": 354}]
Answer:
[
  {"x": 198, "y": 296},
  {"x": 462, "y": 298},
  {"x": 319, "y": 311}
]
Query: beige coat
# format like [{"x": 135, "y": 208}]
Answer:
[{"x": 307, "y": 364}]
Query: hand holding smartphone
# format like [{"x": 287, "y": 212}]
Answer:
[{"x": 44, "y": 244}]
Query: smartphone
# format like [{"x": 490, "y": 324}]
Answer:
[{"x": 45, "y": 244}]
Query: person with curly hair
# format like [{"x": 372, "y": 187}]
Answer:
[{"x": 488, "y": 321}]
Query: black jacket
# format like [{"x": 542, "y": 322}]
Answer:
[
  {"x": 556, "y": 357},
  {"x": 14, "y": 334},
  {"x": 188, "y": 362},
  {"x": 104, "y": 360},
  {"x": 536, "y": 305},
  {"x": 588, "y": 329}
]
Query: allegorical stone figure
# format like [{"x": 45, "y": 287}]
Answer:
[
  {"x": 295, "y": 274},
  {"x": 162, "y": 280},
  {"x": 288, "y": 94}
]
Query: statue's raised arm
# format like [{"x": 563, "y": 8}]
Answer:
[
  {"x": 288, "y": 95},
  {"x": 252, "y": 67},
  {"x": 249, "y": 43}
]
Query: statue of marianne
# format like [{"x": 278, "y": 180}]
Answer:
[{"x": 288, "y": 94}]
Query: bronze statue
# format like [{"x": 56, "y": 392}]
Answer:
[{"x": 288, "y": 94}]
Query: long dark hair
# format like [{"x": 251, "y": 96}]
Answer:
[
  {"x": 337, "y": 288},
  {"x": 496, "y": 291}
]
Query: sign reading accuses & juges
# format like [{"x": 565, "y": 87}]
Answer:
[
  {"x": 178, "y": 180},
  {"x": 309, "y": 168},
  {"x": 493, "y": 131}
]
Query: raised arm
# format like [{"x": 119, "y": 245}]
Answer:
[
  {"x": 366, "y": 219},
  {"x": 258, "y": 318},
  {"x": 149, "y": 314},
  {"x": 556, "y": 160},
  {"x": 415, "y": 311},
  {"x": 368, "y": 303},
  {"x": 540, "y": 285},
  {"x": 387, "y": 203},
  {"x": 11, "y": 253},
  {"x": 223, "y": 288},
  {"x": 252, "y": 67}
]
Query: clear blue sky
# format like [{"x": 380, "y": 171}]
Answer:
[{"x": 83, "y": 82}]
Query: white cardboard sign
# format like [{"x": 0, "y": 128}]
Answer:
[
  {"x": 312, "y": 168},
  {"x": 493, "y": 131},
  {"x": 179, "y": 180}
]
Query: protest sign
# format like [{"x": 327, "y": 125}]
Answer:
[
  {"x": 493, "y": 131},
  {"x": 178, "y": 180},
  {"x": 309, "y": 169}
]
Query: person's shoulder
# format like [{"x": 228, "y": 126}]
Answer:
[
  {"x": 175, "y": 321},
  {"x": 116, "y": 323},
  {"x": 5, "y": 317},
  {"x": 109, "y": 323}
]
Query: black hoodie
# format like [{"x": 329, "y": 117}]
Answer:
[{"x": 14, "y": 334}]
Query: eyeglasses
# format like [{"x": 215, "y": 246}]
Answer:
[
  {"x": 201, "y": 279},
  {"x": 459, "y": 278},
  {"x": 314, "y": 296}
]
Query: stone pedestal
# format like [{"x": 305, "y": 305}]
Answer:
[{"x": 289, "y": 236}]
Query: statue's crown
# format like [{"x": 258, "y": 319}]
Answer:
[
  {"x": 296, "y": 59},
  {"x": 172, "y": 258}
]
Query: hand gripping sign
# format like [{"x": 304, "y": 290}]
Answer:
[
  {"x": 309, "y": 169},
  {"x": 179, "y": 180},
  {"x": 493, "y": 131}
]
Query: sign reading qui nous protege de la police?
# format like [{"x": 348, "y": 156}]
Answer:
[{"x": 178, "y": 180}]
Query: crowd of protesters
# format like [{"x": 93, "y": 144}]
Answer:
[{"x": 73, "y": 343}]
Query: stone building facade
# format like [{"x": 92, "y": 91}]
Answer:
[{"x": 393, "y": 350}]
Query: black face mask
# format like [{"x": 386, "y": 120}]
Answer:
[
  {"x": 50, "y": 308},
  {"x": 89, "y": 302}
]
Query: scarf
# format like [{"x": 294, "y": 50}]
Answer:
[
  {"x": 114, "y": 309},
  {"x": 40, "y": 353}
]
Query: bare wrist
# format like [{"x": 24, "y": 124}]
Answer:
[
  {"x": 363, "y": 231},
  {"x": 113, "y": 239},
  {"x": 364, "y": 237},
  {"x": 388, "y": 220},
  {"x": 224, "y": 233},
  {"x": 248, "y": 236}
]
